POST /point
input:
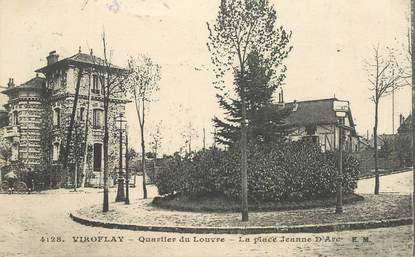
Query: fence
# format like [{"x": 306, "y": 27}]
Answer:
[{"x": 386, "y": 164}]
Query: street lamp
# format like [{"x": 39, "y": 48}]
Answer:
[
  {"x": 127, "y": 172},
  {"x": 341, "y": 108},
  {"x": 120, "y": 191}
]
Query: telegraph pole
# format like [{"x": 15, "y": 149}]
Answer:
[{"x": 204, "y": 139}]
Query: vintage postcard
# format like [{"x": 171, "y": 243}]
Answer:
[{"x": 206, "y": 128}]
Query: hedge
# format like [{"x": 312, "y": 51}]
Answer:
[{"x": 292, "y": 171}]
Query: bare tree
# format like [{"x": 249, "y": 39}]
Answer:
[
  {"x": 112, "y": 81},
  {"x": 155, "y": 144},
  {"x": 188, "y": 134},
  {"x": 142, "y": 84},
  {"x": 385, "y": 75},
  {"x": 67, "y": 149}
]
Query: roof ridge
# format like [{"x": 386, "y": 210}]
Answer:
[{"x": 315, "y": 100}]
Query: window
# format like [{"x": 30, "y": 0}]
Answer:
[
  {"x": 95, "y": 84},
  {"x": 97, "y": 156},
  {"x": 56, "y": 117},
  {"x": 15, "y": 118},
  {"x": 63, "y": 78},
  {"x": 98, "y": 118},
  {"x": 102, "y": 83},
  {"x": 55, "y": 151},
  {"x": 81, "y": 113},
  {"x": 98, "y": 83}
]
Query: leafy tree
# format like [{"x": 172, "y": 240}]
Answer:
[
  {"x": 244, "y": 26},
  {"x": 142, "y": 84},
  {"x": 265, "y": 122}
]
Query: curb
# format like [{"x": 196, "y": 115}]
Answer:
[{"x": 315, "y": 228}]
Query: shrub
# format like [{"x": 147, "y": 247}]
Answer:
[{"x": 293, "y": 171}]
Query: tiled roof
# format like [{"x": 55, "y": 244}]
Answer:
[
  {"x": 36, "y": 83},
  {"x": 313, "y": 112},
  {"x": 78, "y": 58}
]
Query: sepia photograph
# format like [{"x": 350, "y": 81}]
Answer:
[{"x": 140, "y": 128}]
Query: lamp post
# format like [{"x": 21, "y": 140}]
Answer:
[
  {"x": 120, "y": 191},
  {"x": 127, "y": 172},
  {"x": 339, "y": 202},
  {"x": 341, "y": 108}
]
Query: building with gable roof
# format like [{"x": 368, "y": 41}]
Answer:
[{"x": 316, "y": 120}]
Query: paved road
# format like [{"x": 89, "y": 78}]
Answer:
[
  {"x": 26, "y": 219},
  {"x": 401, "y": 183}
]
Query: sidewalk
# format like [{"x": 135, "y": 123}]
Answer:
[{"x": 375, "y": 211}]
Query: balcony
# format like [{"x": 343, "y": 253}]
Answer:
[{"x": 11, "y": 131}]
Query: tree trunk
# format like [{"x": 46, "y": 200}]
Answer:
[
  {"x": 105, "y": 206},
  {"x": 71, "y": 123},
  {"x": 244, "y": 159},
  {"x": 143, "y": 161},
  {"x": 375, "y": 144},
  {"x": 84, "y": 167}
]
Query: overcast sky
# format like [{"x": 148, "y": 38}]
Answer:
[{"x": 330, "y": 39}]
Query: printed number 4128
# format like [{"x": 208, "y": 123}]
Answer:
[{"x": 51, "y": 239}]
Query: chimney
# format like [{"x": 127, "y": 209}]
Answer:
[
  {"x": 282, "y": 95},
  {"x": 401, "y": 119},
  {"x": 92, "y": 52},
  {"x": 52, "y": 57},
  {"x": 11, "y": 82}
]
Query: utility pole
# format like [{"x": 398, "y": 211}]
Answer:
[
  {"x": 127, "y": 172},
  {"x": 204, "y": 138},
  {"x": 120, "y": 191}
]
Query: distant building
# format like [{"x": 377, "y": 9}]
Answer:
[
  {"x": 405, "y": 124},
  {"x": 316, "y": 120},
  {"x": 39, "y": 110}
]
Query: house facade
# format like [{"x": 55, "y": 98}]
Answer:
[
  {"x": 316, "y": 120},
  {"x": 39, "y": 114}
]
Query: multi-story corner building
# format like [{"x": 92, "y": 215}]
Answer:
[{"x": 39, "y": 114}]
